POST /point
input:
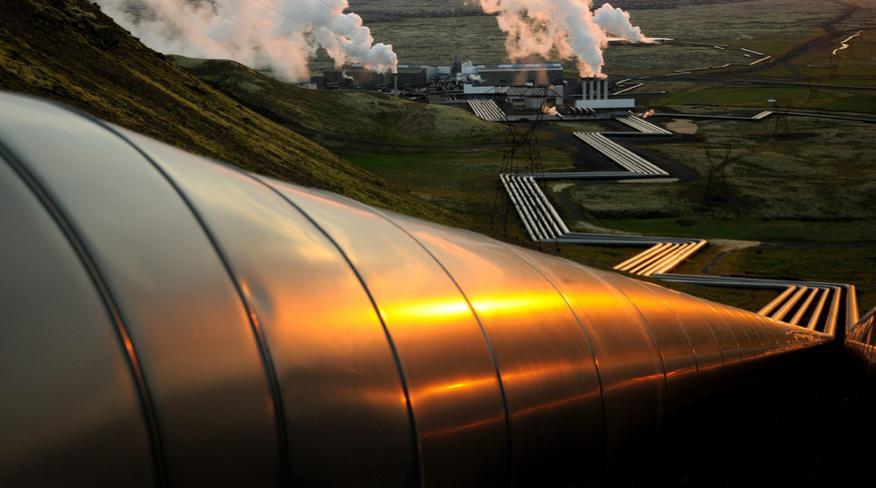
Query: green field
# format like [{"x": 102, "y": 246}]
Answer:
[
  {"x": 750, "y": 229},
  {"x": 812, "y": 184},
  {"x": 812, "y": 187},
  {"x": 799, "y": 97},
  {"x": 463, "y": 181},
  {"x": 815, "y": 173}
]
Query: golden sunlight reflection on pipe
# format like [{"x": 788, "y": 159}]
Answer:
[
  {"x": 530, "y": 302},
  {"x": 447, "y": 309},
  {"x": 433, "y": 309},
  {"x": 453, "y": 387},
  {"x": 541, "y": 374}
]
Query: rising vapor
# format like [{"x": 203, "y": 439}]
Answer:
[
  {"x": 616, "y": 21},
  {"x": 278, "y": 34},
  {"x": 569, "y": 28}
]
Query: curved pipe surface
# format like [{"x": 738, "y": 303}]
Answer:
[
  {"x": 169, "y": 321},
  {"x": 860, "y": 343}
]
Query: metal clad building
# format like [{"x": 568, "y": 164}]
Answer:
[
  {"x": 416, "y": 75},
  {"x": 521, "y": 74}
]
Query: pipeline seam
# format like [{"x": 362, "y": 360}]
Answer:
[
  {"x": 252, "y": 316},
  {"x": 681, "y": 326},
  {"x": 420, "y": 480},
  {"x": 586, "y": 333},
  {"x": 647, "y": 325},
  {"x": 72, "y": 235},
  {"x": 490, "y": 349}
]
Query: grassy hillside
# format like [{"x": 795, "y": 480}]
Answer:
[
  {"x": 70, "y": 51},
  {"x": 343, "y": 115}
]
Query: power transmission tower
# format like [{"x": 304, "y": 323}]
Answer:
[
  {"x": 833, "y": 72},
  {"x": 521, "y": 156},
  {"x": 782, "y": 128},
  {"x": 716, "y": 173},
  {"x": 522, "y": 153}
]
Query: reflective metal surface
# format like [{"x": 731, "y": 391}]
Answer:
[
  {"x": 452, "y": 378},
  {"x": 733, "y": 342},
  {"x": 675, "y": 349},
  {"x": 630, "y": 368},
  {"x": 173, "y": 322},
  {"x": 736, "y": 348},
  {"x": 695, "y": 319},
  {"x": 186, "y": 321},
  {"x": 861, "y": 344},
  {"x": 341, "y": 391},
  {"x": 70, "y": 407},
  {"x": 547, "y": 368}
]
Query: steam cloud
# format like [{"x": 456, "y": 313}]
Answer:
[
  {"x": 570, "y": 27},
  {"x": 616, "y": 21},
  {"x": 278, "y": 34}
]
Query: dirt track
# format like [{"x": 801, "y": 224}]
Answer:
[{"x": 830, "y": 35}]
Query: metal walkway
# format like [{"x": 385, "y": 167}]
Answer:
[
  {"x": 643, "y": 126},
  {"x": 487, "y": 110},
  {"x": 627, "y": 159},
  {"x": 771, "y": 113},
  {"x": 662, "y": 258}
]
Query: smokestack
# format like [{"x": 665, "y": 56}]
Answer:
[
  {"x": 593, "y": 89},
  {"x": 395, "y": 82},
  {"x": 457, "y": 66}
]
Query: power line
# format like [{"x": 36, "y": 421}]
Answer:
[
  {"x": 284, "y": 14},
  {"x": 217, "y": 11},
  {"x": 272, "y": 36},
  {"x": 306, "y": 24}
]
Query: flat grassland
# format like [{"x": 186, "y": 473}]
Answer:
[
  {"x": 809, "y": 196},
  {"x": 806, "y": 192}
]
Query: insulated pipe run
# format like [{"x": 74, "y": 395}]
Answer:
[{"x": 188, "y": 323}]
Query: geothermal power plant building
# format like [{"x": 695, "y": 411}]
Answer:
[
  {"x": 416, "y": 74},
  {"x": 521, "y": 74},
  {"x": 511, "y": 83},
  {"x": 423, "y": 75}
]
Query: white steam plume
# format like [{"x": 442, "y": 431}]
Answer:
[
  {"x": 278, "y": 34},
  {"x": 616, "y": 21},
  {"x": 568, "y": 27}
]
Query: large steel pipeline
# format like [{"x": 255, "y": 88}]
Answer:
[
  {"x": 170, "y": 321},
  {"x": 860, "y": 344}
]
